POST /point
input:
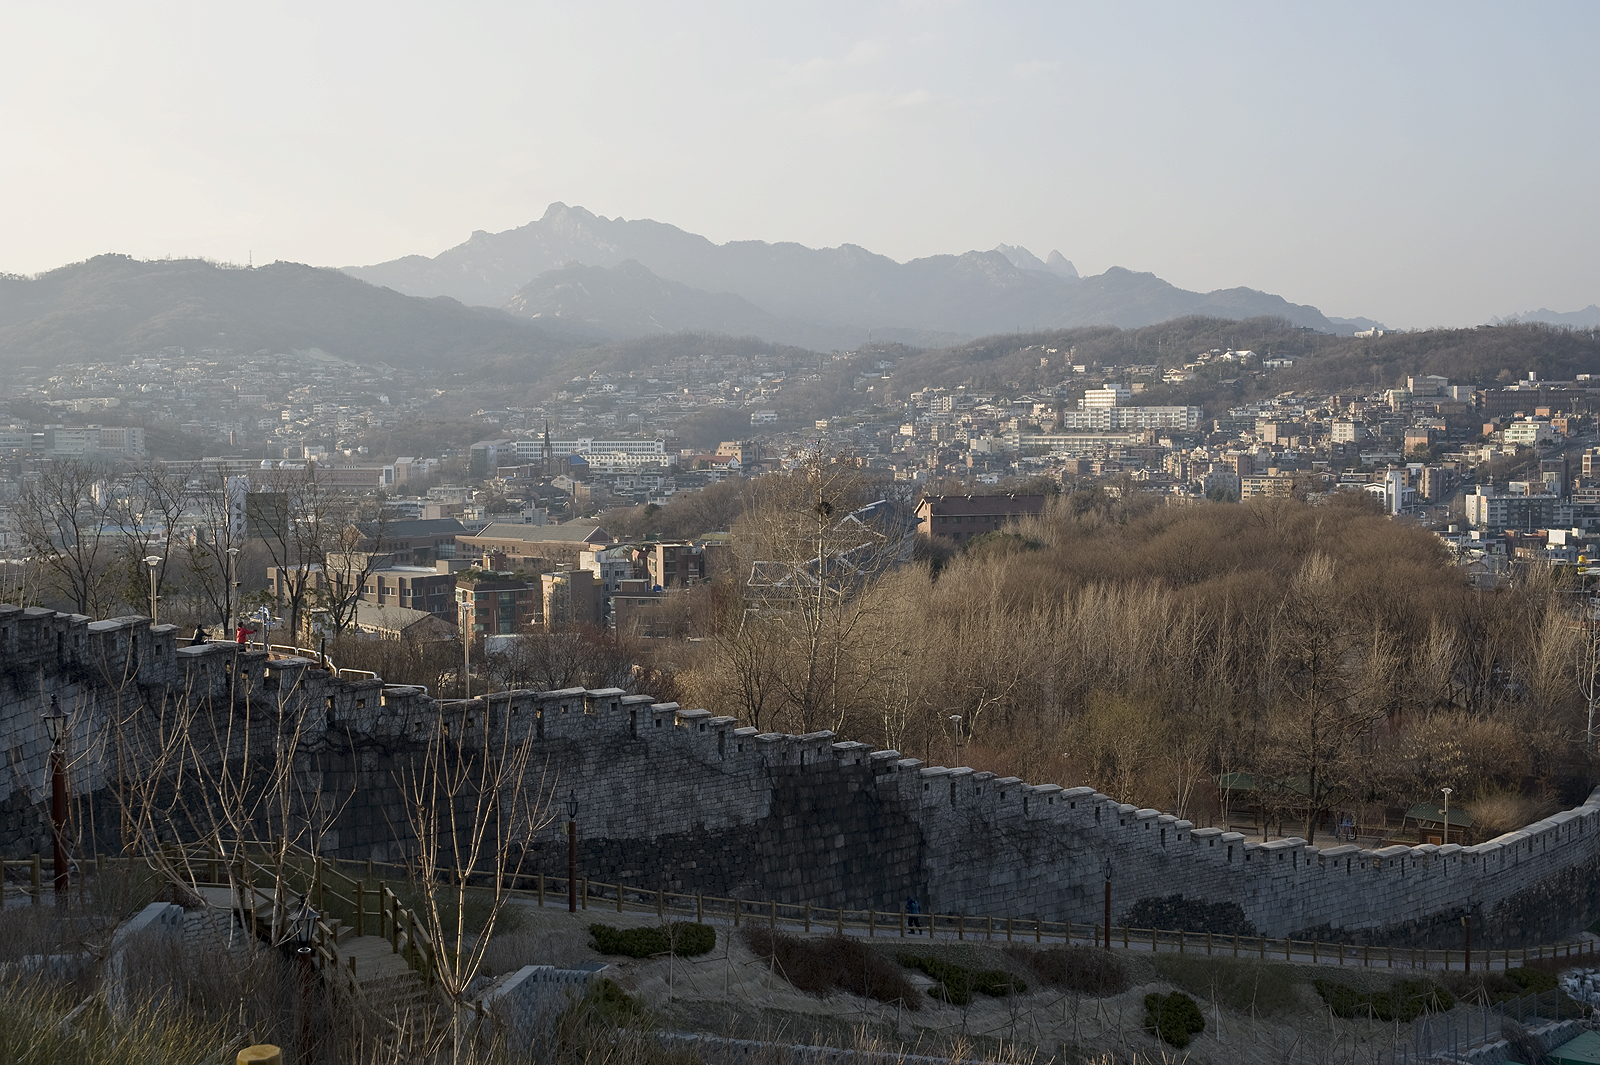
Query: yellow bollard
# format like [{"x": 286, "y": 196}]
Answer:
[{"x": 260, "y": 1054}]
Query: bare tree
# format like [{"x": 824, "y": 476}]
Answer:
[
  {"x": 1332, "y": 680},
  {"x": 473, "y": 799},
  {"x": 150, "y": 514},
  {"x": 63, "y": 519},
  {"x": 811, "y": 546},
  {"x": 352, "y": 553},
  {"x": 218, "y": 547}
]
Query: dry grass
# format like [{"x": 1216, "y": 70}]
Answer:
[
  {"x": 1079, "y": 970},
  {"x": 833, "y": 963},
  {"x": 1497, "y": 812}
]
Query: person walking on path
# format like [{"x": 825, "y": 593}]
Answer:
[{"x": 912, "y": 910}]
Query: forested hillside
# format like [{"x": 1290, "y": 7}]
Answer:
[
  {"x": 1325, "y": 648},
  {"x": 1485, "y": 355}
]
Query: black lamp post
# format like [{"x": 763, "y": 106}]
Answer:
[
  {"x": 305, "y": 927},
  {"x": 1105, "y": 867},
  {"x": 55, "y": 726},
  {"x": 572, "y": 853}
]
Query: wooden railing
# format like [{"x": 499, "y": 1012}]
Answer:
[
  {"x": 368, "y": 906},
  {"x": 362, "y": 905}
]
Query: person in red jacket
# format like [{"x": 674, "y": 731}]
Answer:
[{"x": 242, "y": 637}]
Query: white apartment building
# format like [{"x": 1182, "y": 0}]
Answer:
[
  {"x": 1529, "y": 433},
  {"x": 532, "y": 448},
  {"x": 1112, "y": 395},
  {"x": 1132, "y": 418}
]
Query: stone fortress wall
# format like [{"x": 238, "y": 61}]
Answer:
[{"x": 689, "y": 801}]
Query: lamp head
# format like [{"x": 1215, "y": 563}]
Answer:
[
  {"x": 305, "y": 923},
  {"x": 572, "y": 807},
  {"x": 55, "y": 723},
  {"x": 152, "y": 561}
]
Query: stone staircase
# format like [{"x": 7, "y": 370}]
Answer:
[{"x": 366, "y": 944}]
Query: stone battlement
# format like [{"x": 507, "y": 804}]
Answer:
[{"x": 687, "y": 800}]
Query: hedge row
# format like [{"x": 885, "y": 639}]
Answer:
[
  {"x": 956, "y": 983},
  {"x": 683, "y": 938}
]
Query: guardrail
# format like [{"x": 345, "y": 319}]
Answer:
[{"x": 283, "y": 650}]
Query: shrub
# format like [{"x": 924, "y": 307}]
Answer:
[
  {"x": 1534, "y": 981},
  {"x": 819, "y": 966},
  {"x": 683, "y": 938},
  {"x": 1406, "y": 1000},
  {"x": 1175, "y": 1018},
  {"x": 1081, "y": 970},
  {"x": 956, "y": 983}
]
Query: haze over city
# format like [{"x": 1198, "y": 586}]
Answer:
[{"x": 1419, "y": 166}]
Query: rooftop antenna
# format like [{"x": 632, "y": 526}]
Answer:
[{"x": 250, "y": 258}]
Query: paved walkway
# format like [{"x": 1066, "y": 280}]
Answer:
[{"x": 1584, "y": 950}]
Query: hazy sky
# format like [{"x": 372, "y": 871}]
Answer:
[{"x": 1419, "y": 163}]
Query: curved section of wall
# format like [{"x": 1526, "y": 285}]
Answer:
[{"x": 682, "y": 799}]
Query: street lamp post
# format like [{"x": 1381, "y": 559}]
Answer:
[
  {"x": 231, "y": 605},
  {"x": 1446, "y": 814},
  {"x": 55, "y": 725},
  {"x": 955, "y": 719},
  {"x": 305, "y": 926},
  {"x": 1105, "y": 867},
  {"x": 572, "y": 853},
  {"x": 153, "y": 561},
  {"x": 466, "y": 650}
]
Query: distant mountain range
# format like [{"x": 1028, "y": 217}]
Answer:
[
  {"x": 794, "y": 294},
  {"x": 1588, "y": 318},
  {"x": 113, "y": 304}
]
